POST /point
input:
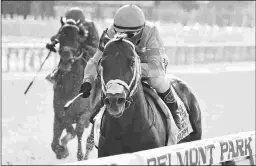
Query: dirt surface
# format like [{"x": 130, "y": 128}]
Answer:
[{"x": 227, "y": 99}]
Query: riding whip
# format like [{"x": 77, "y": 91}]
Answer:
[
  {"x": 37, "y": 73},
  {"x": 70, "y": 102}
]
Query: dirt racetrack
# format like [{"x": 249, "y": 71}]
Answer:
[{"x": 227, "y": 99}]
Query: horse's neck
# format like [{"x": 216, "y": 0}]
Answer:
[
  {"x": 71, "y": 81},
  {"x": 141, "y": 110}
]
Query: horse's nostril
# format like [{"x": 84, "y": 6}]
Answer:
[
  {"x": 120, "y": 101},
  {"x": 106, "y": 101}
]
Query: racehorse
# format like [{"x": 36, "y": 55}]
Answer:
[
  {"x": 73, "y": 60},
  {"x": 130, "y": 123}
]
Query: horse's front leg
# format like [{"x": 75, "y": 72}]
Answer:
[
  {"x": 68, "y": 137},
  {"x": 80, "y": 130},
  {"x": 57, "y": 131},
  {"x": 89, "y": 143}
]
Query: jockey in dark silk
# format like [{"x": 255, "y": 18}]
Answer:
[{"x": 89, "y": 40}]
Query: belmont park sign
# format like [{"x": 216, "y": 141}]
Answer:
[
  {"x": 238, "y": 148},
  {"x": 207, "y": 154}
]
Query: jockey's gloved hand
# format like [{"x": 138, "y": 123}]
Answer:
[
  {"x": 51, "y": 46},
  {"x": 103, "y": 40},
  {"x": 85, "y": 89}
]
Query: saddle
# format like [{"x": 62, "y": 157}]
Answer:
[
  {"x": 156, "y": 102},
  {"x": 174, "y": 134}
]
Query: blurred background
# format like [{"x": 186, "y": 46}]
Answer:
[
  {"x": 190, "y": 29},
  {"x": 210, "y": 44}
]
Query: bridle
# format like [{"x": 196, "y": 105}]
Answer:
[
  {"x": 131, "y": 88},
  {"x": 78, "y": 53}
]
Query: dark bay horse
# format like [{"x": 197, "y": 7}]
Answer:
[
  {"x": 129, "y": 124},
  {"x": 73, "y": 60}
]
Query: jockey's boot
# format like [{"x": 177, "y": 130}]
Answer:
[
  {"x": 172, "y": 104},
  {"x": 52, "y": 76}
]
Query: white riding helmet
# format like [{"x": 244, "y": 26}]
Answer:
[{"x": 129, "y": 18}]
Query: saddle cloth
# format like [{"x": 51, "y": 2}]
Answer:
[{"x": 176, "y": 132}]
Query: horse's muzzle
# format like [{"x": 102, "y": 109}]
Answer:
[
  {"x": 115, "y": 104},
  {"x": 66, "y": 60}
]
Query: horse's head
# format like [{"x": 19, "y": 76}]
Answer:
[
  {"x": 70, "y": 36},
  {"x": 120, "y": 73}
]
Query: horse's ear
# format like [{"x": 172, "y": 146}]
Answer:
[{"x": 62, "y": 20}]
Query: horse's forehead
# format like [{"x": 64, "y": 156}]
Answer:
[
  {"x": 120, "y": 47},
  {"x": 68, "y": 33},
  {"x": 69, "y": 29}
]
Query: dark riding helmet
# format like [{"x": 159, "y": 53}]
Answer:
[
  {"x": 75, "y": 16},
  {"x": 75, "y": 13}
]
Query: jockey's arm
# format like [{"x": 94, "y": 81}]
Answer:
[
  {"x": 156, "y": 59},
  {"x": 90, "y": 71}
]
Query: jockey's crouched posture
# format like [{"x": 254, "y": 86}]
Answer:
[
  {"x": 89, "y": 40},
  {"x": 130, "y": 19}
]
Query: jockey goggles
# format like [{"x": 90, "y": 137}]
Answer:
[{"x": 133, "y": 36}]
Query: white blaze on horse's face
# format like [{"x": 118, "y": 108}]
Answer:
[
  {"x": 115, "y": 99},
  {"x": 114, "y": 88}
]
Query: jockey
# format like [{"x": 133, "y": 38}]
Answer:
[
  {"x": 130, "y": 19},
  {"x": 89, "y": 39}
]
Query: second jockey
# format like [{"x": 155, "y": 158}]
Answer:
[
  {"x": 89, "y": 40},
  {"x": 130, "y": 19}
]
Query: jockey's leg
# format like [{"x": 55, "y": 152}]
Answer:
[
  {"x": 162, "y": 86},
  {"x": 52, "y": 76}
]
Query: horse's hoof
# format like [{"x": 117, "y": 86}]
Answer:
[
  {"x": 61, "y": 149},
  {"x": 63, "y": 153},
  {"x": 86, "y": 157},
  {"x": 79, "y": 156}
]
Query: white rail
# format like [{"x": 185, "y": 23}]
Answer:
[
  {"x": 239, "y": 148},
  {"x": 28, "y": 56}
]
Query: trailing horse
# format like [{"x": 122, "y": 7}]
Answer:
[
  {"x": 134, "y": 117},
  {"x": 73, "y": 59}
]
